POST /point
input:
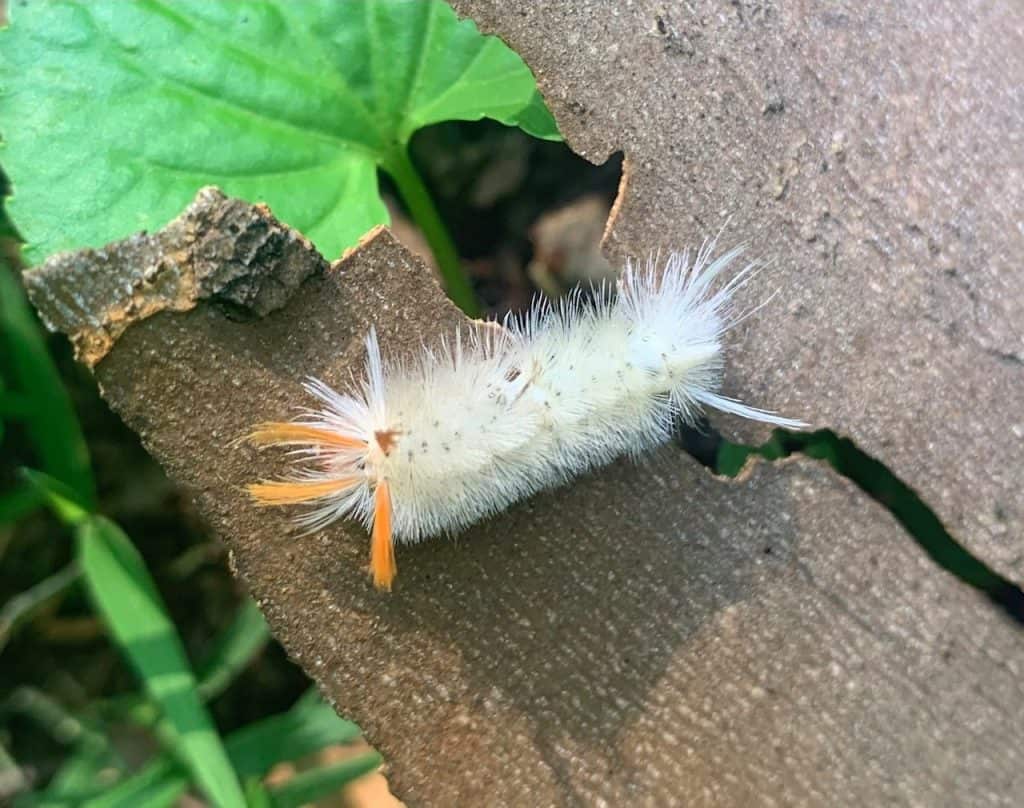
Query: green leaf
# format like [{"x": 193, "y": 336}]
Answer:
[
  {"x": 66, "y": 503},
  {"x": 234, "y": 648},
  {"x": 289, "y": 736},
  {"x": 311, "y": 785},
  {"x": 88, "y": 767},
  {"x": 14, "y": 406},
  {"x": 126, "y": 597},
  {"x": 157, "y": 784},
  {"x": 252, "y": 750},
  {"x": 256, "y": 794},
  {"x": 22, "y": 606},
  {"x": 125, "y": 109},
  {"x": 247, "y": 635},
  {"x": 20, "y": 501},
  {"x": 87, "y": 771},
  {"x": 535, "y": 119},
  {"x": 309, "y": 700},
  {"x": 7, "y": 230},
  {"x": 731, "y": 459},
  {"x": 50, "y": 421}
]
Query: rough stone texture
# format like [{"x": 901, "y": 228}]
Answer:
[
  {"x": 874, "y": 152},
  {"x": 650, "y": 635}
]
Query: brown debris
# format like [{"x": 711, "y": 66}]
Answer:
[{"x": 566, "y": 247}]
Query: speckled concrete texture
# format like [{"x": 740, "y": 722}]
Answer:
[
  {"x": 874, "y": 153},
  {"x": 650, "y": 635}
]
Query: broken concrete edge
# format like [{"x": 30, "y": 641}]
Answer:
[
  {"x": 222, "y": 249},
  {"x": 218, "y": 249},
  {"x": 613, "y": 214}
]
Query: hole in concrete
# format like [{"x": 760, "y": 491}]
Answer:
[{"x": 526, "y": 215}]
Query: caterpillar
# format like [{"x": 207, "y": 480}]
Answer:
[{"x": 431, "y": 445}]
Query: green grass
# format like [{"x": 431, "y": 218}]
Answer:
[{"x": 171, "y": 703}]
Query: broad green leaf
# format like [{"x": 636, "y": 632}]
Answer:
[
  {"x": 124, "y": 110},
  {"x": 126, "y": 597},
  {"x": 50, "y": 424}
]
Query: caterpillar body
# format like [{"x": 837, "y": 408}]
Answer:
[{"x": 432, "y": 445}]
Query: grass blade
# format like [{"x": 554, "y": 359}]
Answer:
[
  {"x": 64, "y": 501},
  {"x": 247, "y": 635},
  {"x": 126, "y": 597},
  {"x": 80, "y": 776},
  {"x": 160, "y": 782},
  {"x": 288, "y": 736},
  {"x": 252, "y": 750},
  {"x": 257, "y": 795},
  {"x": 21, "y": 501},
  {"x": 21, "y": 606},
  {"x": 51, "y": 423},
  {"x": 311, "y": 785}
]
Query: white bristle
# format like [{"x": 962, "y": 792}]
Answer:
[{"x": 434, "y": 445}]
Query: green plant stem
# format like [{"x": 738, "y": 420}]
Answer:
[
  {"x": 51, "y": 716},
  {"x": 23, "y": 605},
  {"x": 424, "y": 212}
]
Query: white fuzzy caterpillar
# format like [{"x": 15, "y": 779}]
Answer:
[{"x": 433, "y": 446}]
